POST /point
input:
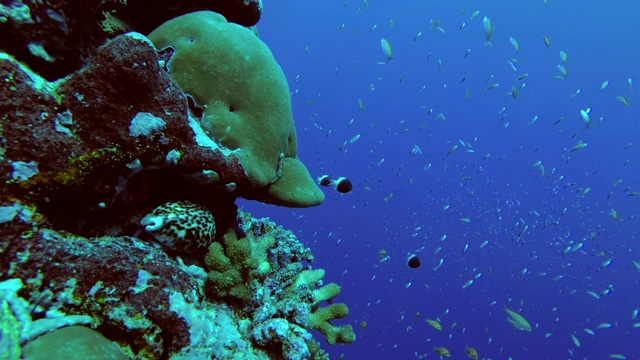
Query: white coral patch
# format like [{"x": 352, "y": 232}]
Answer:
[
  {"x": 146, "y": 124},
  {"x": 24, "y": 170}
]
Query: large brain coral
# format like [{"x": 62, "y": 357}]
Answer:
[{"x": 232, "y": 76}]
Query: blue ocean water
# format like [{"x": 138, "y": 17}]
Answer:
[{"x": 441, "y": 154}]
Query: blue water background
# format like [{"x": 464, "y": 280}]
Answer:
[{"x": 331, "y": 55}]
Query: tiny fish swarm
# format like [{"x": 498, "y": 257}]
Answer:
[{"x": 181, "y": 225}]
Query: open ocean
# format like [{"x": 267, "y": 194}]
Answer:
[{"x": 519, "y": 170}]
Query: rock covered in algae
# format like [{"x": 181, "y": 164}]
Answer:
[{"x": 55, "y": 37}]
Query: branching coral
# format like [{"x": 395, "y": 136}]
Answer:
[
  {"x": 320, "y": 317},
  {"x": 233, "y": 267}
]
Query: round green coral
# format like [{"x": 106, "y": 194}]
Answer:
[{"x": 235, "y": 79}]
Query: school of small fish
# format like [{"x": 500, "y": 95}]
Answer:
[{"x": 487, "y": 225}]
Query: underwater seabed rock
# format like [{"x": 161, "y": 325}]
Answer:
[
  {"x": 55, "y": 36},
  {"x": 68, "y": 147},
  {"x": 148, "y": 303}
]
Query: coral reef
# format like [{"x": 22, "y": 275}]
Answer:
[
  {"x": 152, "y": 305},
  {"x": 118, "y": 215}
]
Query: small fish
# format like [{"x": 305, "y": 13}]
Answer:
[
  {"x": 464, "y": 250},
  {"x": 521, "y": 77},
  {"x": 606, "y": 263},
  {"x": 442, "y": 351},
  {"x": 586, "y": 118},
  {"x": 579, "y": 145},
  {"x": 488, "y": 29},
  {"x": 604, "y": 84},
  {"x": 435, "y": 324},
  {"x": 614, "y": 215},
  {"x": 475, "y": 13},
  {"x": 439, "y": 264},
  {"x": 466, "y": 53},
  {"x": 630, "y": 83},
  {"x": 563, "y": 71},
  {"x": 575, "y": 340},
  {"x": 547, "y": 41},
  {"x": 492, "y": 86},
  {"x": 563, "y": 56},
  {"x": 589, "y": 331},
  {"x": 517, "y": 320},
  {"x": 604, "y": 325},
  {"x": 514, "y": 42},
  {"x": 467, "y": 284},
  {"x": 623, "y": 100},
  {"x": 593, "y": 294},
  {"x": 618, "y": 356},
  {"x": 386, "y": 48},
  {"x": 471, "y": 353}
]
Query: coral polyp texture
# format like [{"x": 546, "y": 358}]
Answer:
[{"x": 120, "y": 232}]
